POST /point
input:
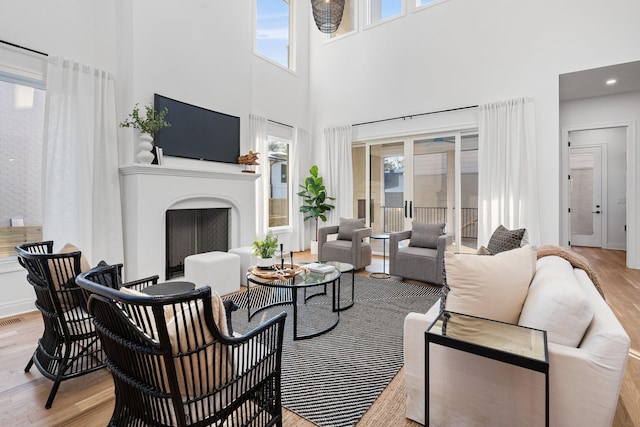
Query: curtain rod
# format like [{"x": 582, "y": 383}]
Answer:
[
  {"x": 281, "y": 124},
  {"x": 415, "y": 115},
  {"x": 22, "y": 47}
]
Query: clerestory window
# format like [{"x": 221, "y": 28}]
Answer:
[
  {"x": 274, "y": 31},
  {"x": 380, "y": 10}
]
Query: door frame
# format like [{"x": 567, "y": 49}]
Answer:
[
  {"x": 632, "y": 208},
  {"x": 603, "y": 189},
  {"x": 408, "y": 144}
]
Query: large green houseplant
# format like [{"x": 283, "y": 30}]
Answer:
[{"x": 315, "y": 199}]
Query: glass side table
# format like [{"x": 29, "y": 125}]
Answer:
[{"x": 504, "y": 342}]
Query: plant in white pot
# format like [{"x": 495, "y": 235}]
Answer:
[
  {"x": 315, "y": 198},
  {"x": 265, "y": 249},
  {"x": 148, "y": 124}
]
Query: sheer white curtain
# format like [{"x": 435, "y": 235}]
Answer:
[
  {"x": 338, "y": 174},
  {"x": 507, "y": 186},
  {"x": 258, "y": 134},
  {"x": 81, "y": 182},
  {"x": 299, "y": 160}
]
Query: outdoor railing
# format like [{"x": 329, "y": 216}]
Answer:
[{"x": 394, "y": 219}]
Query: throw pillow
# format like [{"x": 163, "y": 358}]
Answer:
[
  {"x": 556, "y": 303},
  {"x": 207, "y": 369},
  {"x": 505, "y": 240},
  {"x": 426, "y": 235},
  {"x": 186, "y": 327},
  {"x": 483, "y": 251},
  {"x": 347, "y": 226},
  {"x": 64, "y": 278},
  {"x": 493, "y": 287},
  {"x": 107, "y": 278}
]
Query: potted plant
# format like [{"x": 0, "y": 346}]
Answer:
[
  {"x": 265, "y": 250},
  {"x": 148, "y": 124},
  {"x": 314, "y": 195}
]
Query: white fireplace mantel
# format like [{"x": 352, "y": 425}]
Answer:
[{"x": 150, "y": 190}]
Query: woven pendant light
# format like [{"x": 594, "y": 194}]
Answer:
[{"x": 327, "y": 14}]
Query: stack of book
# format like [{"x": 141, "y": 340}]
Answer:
[{"x": 316, "y": 267}]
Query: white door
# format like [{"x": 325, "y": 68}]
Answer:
[{"x": 586, "y": 205}]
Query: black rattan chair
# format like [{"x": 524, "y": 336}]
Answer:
[
  {"x": 172, "y": 365},
  {"x": 69, "y": 346}
]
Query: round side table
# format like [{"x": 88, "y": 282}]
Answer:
[{"x": 382, "y": 274}]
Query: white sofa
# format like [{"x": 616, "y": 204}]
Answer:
[{"x": 585, "y": 378}]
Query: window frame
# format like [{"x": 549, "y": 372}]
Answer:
[
  {"x": 367, "y": 14},
  {"x": 417, "y": 6},
  {"x": 292, "y": 57},
  {"x": 355, "y": 16},
  {"x": 279, "y": 228},
  {"x": 37, "y": 81}
]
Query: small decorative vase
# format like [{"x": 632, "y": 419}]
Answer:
[
  {"x": 265, "y": 263},
  {"x": 314, "y": 247},
  {"x": 144, "y": 148}
]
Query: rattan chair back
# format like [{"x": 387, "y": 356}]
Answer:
[
  {"x": 172, "y": 366},
  {"x": 69, "y": 346}
]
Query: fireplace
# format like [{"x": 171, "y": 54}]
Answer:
[
  {"x": 152, "y": 192},
  {"x": 194, "y": 231}
]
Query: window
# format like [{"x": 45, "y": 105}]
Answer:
[
  {"x": 21, "y": 139},
  {"x": 278, "y": 157},
  {"x": 428, "y": 2},
  {"x": 348, "y": 23},
  {"x": 274, "y": 31},
  {"x": 379, "y": 10}
]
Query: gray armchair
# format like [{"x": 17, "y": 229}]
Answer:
[
  {"x": 350, "y": 246},
  {"x": 423, "y": 258}
]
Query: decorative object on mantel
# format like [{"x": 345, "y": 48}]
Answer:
[
  {"x": 148, "y": 125},
  {"x": 314, "y": 204},
  {"x": 249, "y": 160},
  {"x": 327, "y": 14},
  {"x": 265, "y": 251}
]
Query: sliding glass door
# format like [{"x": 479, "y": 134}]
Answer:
[{"x": 423, "y": 179}]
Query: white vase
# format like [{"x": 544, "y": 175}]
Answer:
[
  {"x": 314, "y": 247},
  {"x": 144, "y": 148},
  {"x": 265, "y": 262}
]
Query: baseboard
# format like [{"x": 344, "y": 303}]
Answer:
[{"x": 16, "y": 307}]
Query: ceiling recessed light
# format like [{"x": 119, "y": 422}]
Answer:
[{"x": 611, "y": 81}]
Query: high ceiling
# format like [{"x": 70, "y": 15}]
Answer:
[{"x": 590, "y": 83}]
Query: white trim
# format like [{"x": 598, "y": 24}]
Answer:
[
  {"x": 17, "y": 307},
  {"x": 418, "y": 7},
  {"x": 141, "y": 169},
  {"x": 633, "y": 209},
  {"x": 367, "y": 15}
]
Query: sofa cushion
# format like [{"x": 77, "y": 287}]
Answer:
[
  {"x": 425, "y": 235},
  {"x": 493, "y": 287},
  {"x": 556, "y": 303},
  {"x": 347, "y": 227},
  {"x": 67, "y": 293},
  {"x": 503, "y": 239}
]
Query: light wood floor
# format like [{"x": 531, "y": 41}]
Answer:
[{"x": 88, "y": 400}]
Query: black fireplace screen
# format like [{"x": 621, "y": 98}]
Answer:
[{"x": 194, "y": 231}]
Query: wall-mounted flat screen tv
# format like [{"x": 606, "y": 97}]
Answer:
[{"x": 197, "y": 133}]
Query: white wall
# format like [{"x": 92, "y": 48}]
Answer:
[
  {"x": 75, "y": 29},
  {"x": 196, "y": 51},
  {"x": 468, "y": 52}
]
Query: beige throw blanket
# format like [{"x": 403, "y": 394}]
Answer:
[{"x": 576, "y": 260}]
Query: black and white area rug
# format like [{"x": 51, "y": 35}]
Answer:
[{"x": 333, "y": 379}]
